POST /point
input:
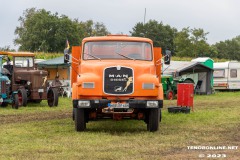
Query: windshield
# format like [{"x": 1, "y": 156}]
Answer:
[
  {"x": 117, "y": 50},
  {"x": 23, "y": 62}
]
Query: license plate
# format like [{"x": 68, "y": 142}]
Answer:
[
  {"x": 40, "y": 90},
  {"x": 118, "y": 105}
]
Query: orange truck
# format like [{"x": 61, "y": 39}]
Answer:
[{"x": 117, "y": 77}]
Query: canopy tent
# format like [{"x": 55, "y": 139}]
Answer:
[
  {"x": 53, "y": 63},
  {"x": 56, "y": 67},
  {"x": 186, "y": 69}
]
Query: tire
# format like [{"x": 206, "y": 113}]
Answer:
[
  {"x": 52, "y": 97},
  {"x": 79, "y": 119},
  {"x": 22, "y": 97},
  {"x": 154, "y": 118},
  {"x": 170, "y": 95},
  {"x": 15, "y": 103},
  {"x": 55, "y": 97},
  {"x": 73, "y": 114},
  {"x": 160, "y": 115}
]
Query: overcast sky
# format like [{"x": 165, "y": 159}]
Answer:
[{"x": 221, "y": 18}]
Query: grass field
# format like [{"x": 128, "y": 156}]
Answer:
[{"x": 40, "y": 132}]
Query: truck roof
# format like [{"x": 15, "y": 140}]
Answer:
[
  {"x": 117, "y": 38},
  {"x": 14, "y": 54}
]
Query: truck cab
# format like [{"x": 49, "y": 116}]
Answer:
[{"x": 116, "y": 77}]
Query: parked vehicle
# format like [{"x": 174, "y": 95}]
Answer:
[
  {"x": 117, "y": 77},
  {"x": 29, "y": 82},
  {"x": 226, "y": 75},
  {"x": 169, "y": 86},
  {"x": 6, "y": 95}
]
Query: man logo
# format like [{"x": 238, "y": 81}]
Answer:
[{"x": 117, "y": 88}]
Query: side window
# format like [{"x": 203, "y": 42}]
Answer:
[
  {"x": 233, "y": 73},
  {"x": 219, "y": 73}
]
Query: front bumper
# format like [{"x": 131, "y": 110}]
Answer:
[{"x": 102, "y": 103}]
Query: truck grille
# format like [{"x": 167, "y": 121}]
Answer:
[{"x": 118, "y": 80}]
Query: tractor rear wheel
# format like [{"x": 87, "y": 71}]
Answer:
[
  {"x": 22, "y": 97},
  {"x": 15, "y": 103},
  {"x": 52, "y": 97},
  {"x": 170, "y": 95}
]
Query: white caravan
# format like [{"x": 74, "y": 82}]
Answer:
[{"x": 226, "y": 75}]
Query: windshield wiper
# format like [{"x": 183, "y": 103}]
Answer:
[
  {"x": 124, "y": 56},
  {"x": 92, "y": 56}
]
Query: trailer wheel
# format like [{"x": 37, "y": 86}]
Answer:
[
  {"x": 52, "y": 97},
  {"x": 15, "y": 103},
  {"x": 22, "y": 97},
  {"x": 154, "y": 117},
  {"x": 170, "y": 95},
  {"x": 79, "y": 119}
]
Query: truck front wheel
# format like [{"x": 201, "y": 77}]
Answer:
[
  {"x": 79, "y": 119},
  {"x": 153, "y": 122}
]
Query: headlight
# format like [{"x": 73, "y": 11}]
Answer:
[
  {"x": 28, "y": 82},
  {"x": 148, "y": 86},
  {"x": 83, "y": 104},
  {"x": 88, "y": 85},
  {"x": 152, "y": 104}
]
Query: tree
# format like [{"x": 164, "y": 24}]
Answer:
[
  {"x": 93, "y": 29},
  {"x": 7, "y": 48},
  {"x": 192, "y": 43},
  {"x": 36, "y": 29},
  {"x": 40, "y": 30},
  {"x": 162, "y": 35},
  {"x": 229, "y": 49}
]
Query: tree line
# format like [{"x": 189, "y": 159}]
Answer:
[{"x": 43, "y": 31}]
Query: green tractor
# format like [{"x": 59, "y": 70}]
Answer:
[{"x": 170, "y": 85}]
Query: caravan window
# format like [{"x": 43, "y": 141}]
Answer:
[
  {"x": 219, "y": 73},
  {"x": 233, "y": 73}
]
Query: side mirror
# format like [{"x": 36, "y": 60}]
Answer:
[
  {"x": 167, "y": 57},
  {"x": 66, "y": 55}
]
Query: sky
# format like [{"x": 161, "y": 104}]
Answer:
[{"x": 218, "y": 17}]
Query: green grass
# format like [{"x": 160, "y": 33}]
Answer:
[{"x": 41, "y": 132}]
